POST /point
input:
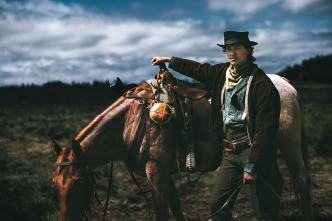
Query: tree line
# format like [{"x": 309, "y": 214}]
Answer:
[
  {"x": 315, "y": 70},
  {"x": 58, "y": 92}
]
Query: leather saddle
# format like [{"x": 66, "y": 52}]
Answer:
[
  {"x": 194, "y": 111},
  {"x": 195, "y": 134},
  {"x": 194, "y": 91}
]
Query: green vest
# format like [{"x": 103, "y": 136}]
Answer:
[{"x": 234, "y": 115}]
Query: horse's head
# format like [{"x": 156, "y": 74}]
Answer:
[{"x": 73, "y": 180}]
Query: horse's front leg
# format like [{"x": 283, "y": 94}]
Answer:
[
  {"x": 158, "y": 176},
  {"x": 174, "y": 202}
]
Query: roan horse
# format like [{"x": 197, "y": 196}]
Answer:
[{"x": 125, "y": 132}]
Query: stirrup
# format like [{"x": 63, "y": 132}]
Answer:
[{"x": 190, "y": 159}]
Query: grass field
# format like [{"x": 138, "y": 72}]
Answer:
[{"x": 30, "y": 116}]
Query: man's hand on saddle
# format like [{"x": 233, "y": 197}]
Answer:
[
  {"x": 249, "y": 178},
  {"x": 157, "y": 60}
]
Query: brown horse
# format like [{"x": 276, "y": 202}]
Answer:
[
  {"x": 73, "y": 180},
  {"x": 117, "y": 134},
  {"x": 113, "y": 136}
]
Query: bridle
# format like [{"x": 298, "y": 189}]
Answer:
[
  {"x": 80, "y": 164},
  {"x": 90, "y": 185}
]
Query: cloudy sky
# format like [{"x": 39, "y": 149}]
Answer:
[{"x": 86, "y": 40}]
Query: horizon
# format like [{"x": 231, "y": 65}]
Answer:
[{"x": 108, "y": 82}]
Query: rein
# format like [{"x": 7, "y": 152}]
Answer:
[
  {"x": 108, "y": 191},
  {"x": 226, "y": 203},
  {"x": 237, "y": 190}
]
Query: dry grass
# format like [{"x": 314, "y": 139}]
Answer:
[{"x": 27, "y": 163}]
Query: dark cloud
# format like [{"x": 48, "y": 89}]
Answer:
[
  {"x": 54, "y": 41},
  {"x": 326, "y": 6}
]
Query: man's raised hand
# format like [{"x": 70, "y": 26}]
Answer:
[{"x": 157, "y": 60}]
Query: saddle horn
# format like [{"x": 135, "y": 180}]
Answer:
[
  {"x": 162, "y": 67},
  {"x": 168, "y": 78}
]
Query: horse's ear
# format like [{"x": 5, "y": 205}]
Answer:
[
  {"x": 56, "y": 148},
  {"x": 76, "y": 147},
  {"x": 119, "y": 87}
]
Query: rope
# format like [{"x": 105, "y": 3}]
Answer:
[
  {"x": 109, "y": 191},
  {"x": 236, "y": 180},
  {"x": 226, "y": 203}
]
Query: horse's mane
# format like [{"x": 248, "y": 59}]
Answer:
[
  {"x": 88, "y": 128},
  {"x": 143, "y": 87}
]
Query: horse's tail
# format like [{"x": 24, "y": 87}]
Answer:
[
  {"x": 305, "y": 171},
  {"x": 305, "y": 150},
  {"x": 306, "y": 160}
]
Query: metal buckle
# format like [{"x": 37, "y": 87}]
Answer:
[{"x": 234, "y": 148}]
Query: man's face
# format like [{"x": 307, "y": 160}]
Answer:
[{"x": 237, "y": 55}]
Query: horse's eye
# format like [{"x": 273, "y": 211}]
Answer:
[{"x": 78, "y": 179}]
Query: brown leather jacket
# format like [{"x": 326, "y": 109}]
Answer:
[{"x": 263, "y": 104}]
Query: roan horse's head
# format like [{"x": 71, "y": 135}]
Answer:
[{"x": 74, "y": 181}]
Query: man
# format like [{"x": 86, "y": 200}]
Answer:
[{"x": 245, "y": 109}]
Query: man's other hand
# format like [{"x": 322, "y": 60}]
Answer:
[{"x": 249, "y": 178}]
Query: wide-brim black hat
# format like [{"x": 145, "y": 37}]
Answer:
[{"x": 235, "y": 37}]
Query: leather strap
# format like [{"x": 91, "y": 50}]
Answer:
[{"x": 144, "y": 122}]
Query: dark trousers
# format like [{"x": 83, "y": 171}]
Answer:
[{"x": 265, "y": 192}]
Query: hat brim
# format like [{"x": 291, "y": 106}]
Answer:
[{"x": 251, "y": 43}]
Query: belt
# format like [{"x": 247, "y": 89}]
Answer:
[{"x": 236, "y": 145}]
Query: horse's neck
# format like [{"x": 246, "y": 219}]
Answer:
[{"x": 102, "y": 141}]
